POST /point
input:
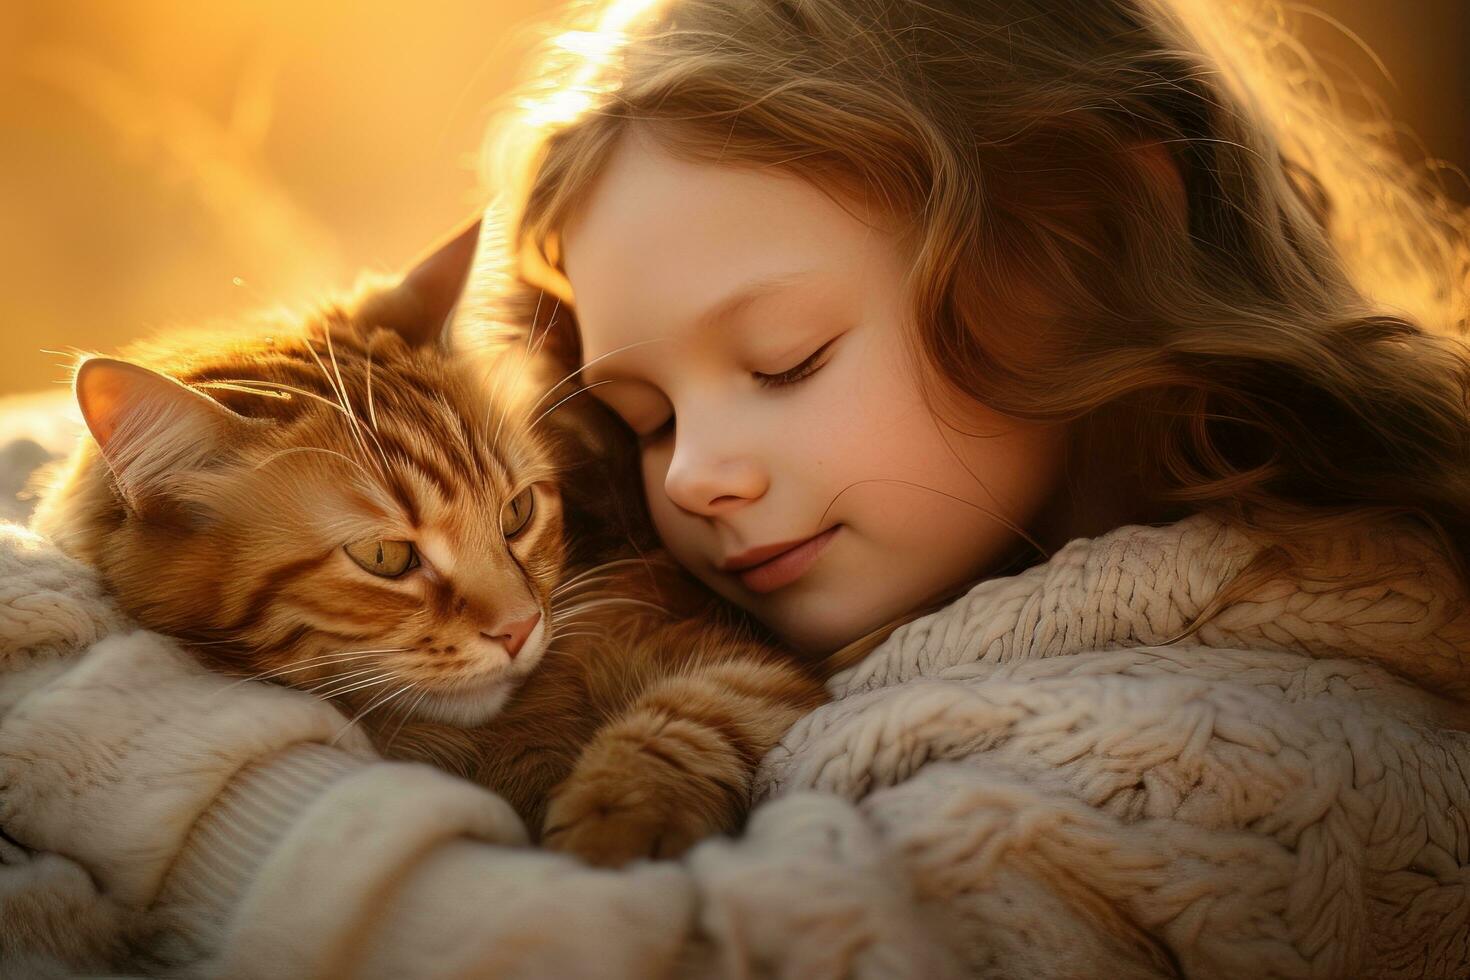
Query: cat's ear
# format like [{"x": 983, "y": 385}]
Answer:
[
  {"x": 149, "y": 426},
  {"x": 500, "y": 309},
  {"x": 420, "y": 307}
]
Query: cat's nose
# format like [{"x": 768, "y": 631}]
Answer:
[{"x": 512, "y": 635}]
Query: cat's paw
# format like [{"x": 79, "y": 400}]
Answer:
[
  {"x": 610, "y": 830},
  {"x": 645, "y": 794}
]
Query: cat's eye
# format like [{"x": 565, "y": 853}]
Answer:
[
  {"x": 517, "y": 512},
  {"x": 386, "y": 559}
]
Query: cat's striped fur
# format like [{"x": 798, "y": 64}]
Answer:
[{"x": 218, "y": 506}]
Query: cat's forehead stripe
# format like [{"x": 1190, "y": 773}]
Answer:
[
  {"x": 404, "y": 496},
  {"x": 447, "y": 442},
  {"x": 404, "y": 452},
  {"x": 453, "y": 467},
  {"x": 434, "y": 428}
]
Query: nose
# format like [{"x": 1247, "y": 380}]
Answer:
[
  {"x": 708, "y": 477},
  {"x": 512, "y": 635}
]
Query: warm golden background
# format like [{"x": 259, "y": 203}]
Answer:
[{"x": 164, "y": 162}]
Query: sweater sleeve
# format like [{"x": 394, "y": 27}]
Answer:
[
  {"x": 227, "y": 836},
  {"x": 314, "y": 865}
]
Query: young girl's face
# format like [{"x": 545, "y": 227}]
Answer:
[{"x": 756, "y": 340}]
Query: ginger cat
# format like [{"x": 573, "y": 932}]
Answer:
[{"x": 441, "y": 545}]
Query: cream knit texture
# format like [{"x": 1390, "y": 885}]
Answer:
[{"x": 1027, "y": 783}]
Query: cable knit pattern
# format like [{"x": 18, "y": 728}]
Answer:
[
  {"x": 1028, "y": 782},
  {"x": 49, "y": 605},
  {"x": 1257, "y": 746},
  {"x": 1144, "y": 586}
]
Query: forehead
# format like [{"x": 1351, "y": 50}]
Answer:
[{"x": 663, "y": 245}]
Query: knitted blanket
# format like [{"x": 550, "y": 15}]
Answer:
[{"x": 1027, "y": 783}]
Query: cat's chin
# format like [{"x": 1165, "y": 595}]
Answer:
[{"x": 469, "y": 706}]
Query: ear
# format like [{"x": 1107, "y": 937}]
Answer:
[
  {"x": 420, "y": 307},
  {"x": 149, "y": 426}
]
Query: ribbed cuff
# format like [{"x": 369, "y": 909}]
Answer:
[{"x": 231, "y": 841}]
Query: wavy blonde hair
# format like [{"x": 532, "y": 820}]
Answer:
[{"x": 1288, "y": 357}]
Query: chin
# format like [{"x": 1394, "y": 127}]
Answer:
[
  {"x": 822, "y": 630},
  {"x": 468, "y": 707},
  {"x": 813, "y": 640}
]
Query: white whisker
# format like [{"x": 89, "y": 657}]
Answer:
[
  {"x": 583, "y": 367},
  {"x": 347, "y": 402},
  {"x": 520, "y": 368},
  {"x": 321, "y": 661},
  {"x": 598, "y": 603},
  {"x": 535, "y": 315},
  {"x": 372, "y": 415},
  {"x": 545, "y": 334},
  {"x": 344, "y": 678},
  {"x": 263, "y": 387},
  {"x": 493, "y": 403},
  {"x": 342, "y": 404},
  {"x": 363, "y": 713},
  {"x": 573, "y": 635},
  {"x": 504, "y": 413},
  {"x": 413, "y": 706},
  {"x": 585, "y": 388},
  {"x": 237, "y": 386},
  {"x": 273, "y": 389},
  {"x": 310, "y": 449},
  {"x": 580, "y": 584},
  {"x": 605, "y": 566},
  {"x": 385, "y": 678},
  {"x": 333, "y": 656}
]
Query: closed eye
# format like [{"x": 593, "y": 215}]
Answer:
[
  {"x": 800, "y": 372},
  {"x": 791, "y": 376}
]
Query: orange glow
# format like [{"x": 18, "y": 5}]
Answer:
[{"x": 165, "y": 164}]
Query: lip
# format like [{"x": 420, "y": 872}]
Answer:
[
  {"x": 753, "y": 557},
  {"x": 779, "y": 565}
]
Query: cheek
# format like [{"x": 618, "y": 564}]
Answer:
[{"x": 1019, "y": 464}]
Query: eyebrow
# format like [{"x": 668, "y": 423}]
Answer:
[
  {"x": 743, "y": 296},
  {"x": 736, "y": 301}
]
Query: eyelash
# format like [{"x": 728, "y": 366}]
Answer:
[
  {"x": 802, "y": 371},
  {"x": 795, "y": 375}
]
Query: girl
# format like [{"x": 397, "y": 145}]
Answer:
[
  {"x": 1117, "y": 293},
  {"x": 899, "y": 298}
]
